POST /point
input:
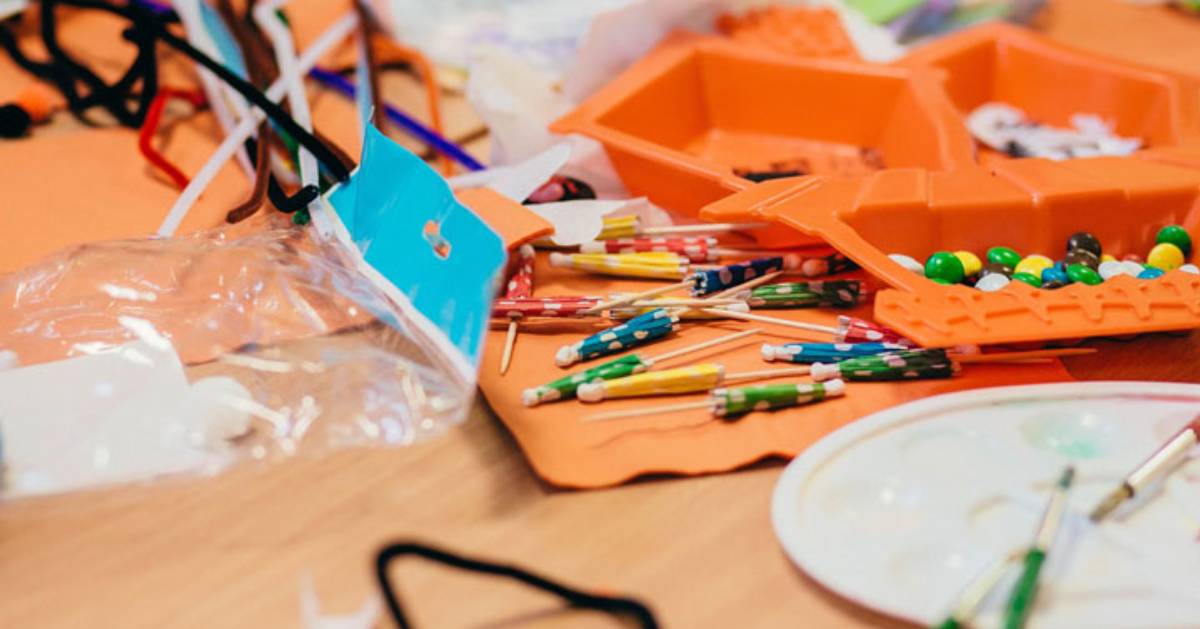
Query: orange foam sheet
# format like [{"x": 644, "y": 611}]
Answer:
[{"x": 568, "y": 452}]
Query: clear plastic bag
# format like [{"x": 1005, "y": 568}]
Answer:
[{"x": 140, "y": 358}]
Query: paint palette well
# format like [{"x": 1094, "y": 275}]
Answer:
[{"x": 899, "y": 511}]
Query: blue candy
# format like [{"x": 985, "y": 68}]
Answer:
[
  {"x": 1150, "y": 273},
  {"x": 1054, "y": 276}
]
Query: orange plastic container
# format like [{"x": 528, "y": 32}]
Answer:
[
  {"x": 681, "y": 121},
  {"x": 1031, "y": 205},
  {"x": 1050, "y": 82}
]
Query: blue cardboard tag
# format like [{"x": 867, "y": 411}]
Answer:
[{"x": 404, "y": 219}]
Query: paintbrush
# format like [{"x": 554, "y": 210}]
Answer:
[
  {"x": 1166, "y": 458},
  {"x": 1020, "y": 604}
]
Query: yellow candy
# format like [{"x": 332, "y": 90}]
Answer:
[
  {"x": 1034, "y": 265},
  {"x": 1107, "y": 257},
  {"x": 1165, "y": 256},
  {"x": 971, "y": 263}
]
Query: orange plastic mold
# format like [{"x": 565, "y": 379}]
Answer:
[
  {"x": 682, "y": 120},
  {"x": 1050, "y": 82},
  {"x": 1032, "y": 205}
]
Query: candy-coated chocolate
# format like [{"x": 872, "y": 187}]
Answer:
[
  {"x": 1175, "y": 235},
  {"x": 1084, "y": 240},
  {"x": 1033, "y": 265},
  {"x": 972, "y": 265},
  {"x": 908, "y": 262},
  {"x": 945, "y": 268},
  {"x": 1150, "y": 273},
  {"x": 1082, "y": 256},
  {"x": 1107, "y": 257},
  {"x": 997, "y": 268},
  {"x": 1111, "y": 269},
  {"x": 1132, "y": 257},
  {"x": 1054, "y": 277},
  {"x": 992, "y": 282},
  {"x": 1165, "y": 256},
  {"x": 1132, "y": 268},
  {"x": 1003, "y": 255},
  {"x": 1083, "y": 274},
  {"x": 1029, "y": 278},
  {"x": 1190, "y": 268}
]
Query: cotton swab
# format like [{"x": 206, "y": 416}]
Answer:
[
  {"x": 1169, "y": 456},
  {"x": 564, "y": 388},
  {"x": 234, "y": 140},
  {"x": 733, "y": 403},
  {"x": 690, "y": 379}
]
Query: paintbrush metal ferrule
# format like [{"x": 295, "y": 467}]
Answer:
[{"x": 1110, "y": 503}]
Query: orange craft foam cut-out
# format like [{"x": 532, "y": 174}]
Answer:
[
  {"x": 682, "y": 121},
  {"x": 568, "y": 452}
]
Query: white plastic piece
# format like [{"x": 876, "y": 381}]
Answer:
[
  {"x": 590, "y": 392},
  {"x": 566, "y": 356},
  {"x": 908, "y": 262},
  {"x": 1190, "y": 268},
  {"x": 216, "y": 410},
  {"x": 835, "y": 387},
  {"x": 992, "y": 282},
  {"x": 822, "y": 372}
]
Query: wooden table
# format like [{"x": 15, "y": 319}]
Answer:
[{"x": 235, "y": 550}]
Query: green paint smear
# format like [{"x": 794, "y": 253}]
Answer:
[{"x": 1067, "y": 435}]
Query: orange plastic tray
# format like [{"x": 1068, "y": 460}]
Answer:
[
  {"x": 1032, "y": 205},
  {"x": 680, "y": 121},
  {"x": 1050, "y": 82}
]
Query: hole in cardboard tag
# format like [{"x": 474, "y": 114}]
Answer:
[{"x": 433, "y": 236}]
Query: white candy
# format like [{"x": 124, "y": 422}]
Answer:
[
  {"x": 1132, "y": 268},
  {"x": 907, "y": 262},
  {"x": 1111, "y": 269},
  {"x": 992, "y": 282},
  {"x": 1190, "y": 268}
]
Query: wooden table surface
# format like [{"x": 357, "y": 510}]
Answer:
[{"x": 235, "y": 550}]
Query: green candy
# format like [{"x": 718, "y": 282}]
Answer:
[
  {"x": 1004, "y": 255},
  {"x": 765, "y": 397},
  {"x": 945, "y": 268},
  {"x": 1083, "y": 274},
  {"x": 564, "y": 388},
  {"x": 1175, "y": 235},
  {"x": 1028, "y": 278}
]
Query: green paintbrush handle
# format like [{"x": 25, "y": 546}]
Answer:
[{"x": 1021, "y": 603}]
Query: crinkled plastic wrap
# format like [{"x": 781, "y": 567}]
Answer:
[{"x": 129, "y": 360}]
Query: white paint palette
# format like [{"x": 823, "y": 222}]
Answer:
[{"x": 901, "y": 510}]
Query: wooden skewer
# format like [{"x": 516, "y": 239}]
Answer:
[
  {"x": 1019, "y": 356},
  {"x": 702, "y": 228},
  {"x": 758, "y": 281},
  {"x": 642, "y": 412},
  {"x": 665, "y": 303},
  {"x": 509, "y": 340},
  {"x": 633, "y": 297},
  {"x": 767, "y": 373},
  {"x": 799, "y": 325},
  {"x": 699, "y": 346}
]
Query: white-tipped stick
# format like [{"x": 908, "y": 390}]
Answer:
[
  {"x": 650, "y": 362},
  {"x": 633, "y": 297},
  {"x": 764, "y": 374},
  {"x": 701, "y": 228},
  {"x": 509, "y": 340},
  {"x": 654, "y": 410},
  {"x": 799, "y": 325}
]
